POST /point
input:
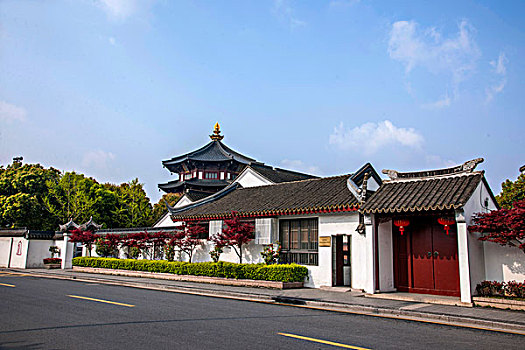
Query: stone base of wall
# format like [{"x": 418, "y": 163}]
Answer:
[
  {"x": 189, "y": 278},
  {"x": 52, "y": 266},
  {"x": 499, "y": 303}
]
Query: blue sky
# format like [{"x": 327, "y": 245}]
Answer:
[{"x": 112, "y": 87}]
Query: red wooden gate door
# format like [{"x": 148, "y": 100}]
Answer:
[
  {"x": 445, "y": 259},
  {"x": 422, "y": 266},
  {"x": 426, "y": 259}
]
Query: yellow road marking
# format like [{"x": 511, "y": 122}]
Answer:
[
  {"x": 399, "y": 317},
  {"x": 13, "y": 274},
  {"x": 327, "y": 342},
  {"x": 352, "y": 312},
  {"x": 7, "y": 285},
  {"x": 100, "y": 300}
]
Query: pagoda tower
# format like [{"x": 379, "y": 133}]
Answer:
[{"x": 206, "y": 170}]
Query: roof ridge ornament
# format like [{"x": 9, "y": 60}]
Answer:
[
  {"x": 467, "y": 167},
  {"x": 216, "y": 136},
  {"x": 470, "y": 165},
  {"x": 68, "y": 226}
]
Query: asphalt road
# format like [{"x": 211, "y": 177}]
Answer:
[{"x": 40, "y": 313}]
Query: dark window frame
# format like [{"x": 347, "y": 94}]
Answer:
[{"x": 299, "y": 240}]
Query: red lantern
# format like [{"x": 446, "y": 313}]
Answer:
[
  {"x": 446, "y": 222},
  {"x": 401, "y": 223}
]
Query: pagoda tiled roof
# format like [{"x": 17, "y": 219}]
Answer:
[
  {"x": 176, "y": 184},
  {"x": 214, "y": 151},
  {"x": 320, "y": 195}
]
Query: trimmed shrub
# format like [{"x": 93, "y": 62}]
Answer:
[{"x": 279, "y": 273}]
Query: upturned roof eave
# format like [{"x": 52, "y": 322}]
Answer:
[{"x": 271, "y": 212}]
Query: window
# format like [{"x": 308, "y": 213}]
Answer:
[
  {"x": 299, "y": 241},
  {"x": 211, "y": 175},
  {"x": 187, "y": 176}
]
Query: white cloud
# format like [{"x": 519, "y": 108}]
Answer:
[
  {"x": 500, "y": 70},
  {"x": 428, "y": 48},
  {"x": 11, "y": 113},
  {"x": 112, "y": 40},
  {"x": 443, "y": 102},
  {"x": 123, "y": 9},
  {"x": 298, "y": 165},
  {"x": 436, "y": 161},
  {"x": 371, "y": 137},
  {"x": 97, "y": 159},
  {"x": 284, "y": 11},
  {"x": 499, "y": 65}
]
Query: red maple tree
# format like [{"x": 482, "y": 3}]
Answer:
[
  {"x": 87, "y": 238},
  {"x": 187, "y": 240},
  {"x": 136, "y": 240},
  {"x": 502, "y": 226},
  {"x": 235, "y": 235},
  {"x": 107, "y": 245}
]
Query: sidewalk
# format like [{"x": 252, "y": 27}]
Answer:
[{"x": 350, "y": 302}]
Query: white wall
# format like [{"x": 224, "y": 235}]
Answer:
[
  {"x": 337, "y": 224},
  {"x": 165, "y": 221},
  {"x": 386, "y": 257},
  {"x": 372, "y": 184},
  {"x": 5, "y": 248},
  {"x": 321, "y": 275},
  {"x": 504, "y": 263},
  {"x": 476, "y": 252},
  {"x": 38, "y": 251},
  {"x": 250, "y": 178},
  {"x": 251, "y": 253},
  {"x": 488, "y": 260},
  {"x": 19, "y": 261},
  {"x": 69, "y": 252}
]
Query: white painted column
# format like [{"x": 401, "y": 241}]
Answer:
[
  {"x": 463, "y": 258},
  {"x": 27, "y": 251},
  {"x": 370, "y": 283},
  {"x": 65, "y": 254}
]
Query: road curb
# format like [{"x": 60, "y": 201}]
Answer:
[{"x": 408, "y": 315}]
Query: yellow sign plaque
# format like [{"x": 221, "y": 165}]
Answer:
[{"x": 325, "y": 241}]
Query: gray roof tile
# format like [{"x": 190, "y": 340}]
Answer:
[
  {"x": 426, "y": 193},
  {"x": 306, "y": 196}
]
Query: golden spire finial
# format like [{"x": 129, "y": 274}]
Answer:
[{"x": 216, "y": 136}]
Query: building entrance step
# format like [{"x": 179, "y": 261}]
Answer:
[{"x": 421, "y": 298}]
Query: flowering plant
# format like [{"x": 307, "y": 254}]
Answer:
[{"x": 271, "y": 253}]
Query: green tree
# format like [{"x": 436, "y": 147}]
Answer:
[
  {"x": 79, "y": 197},
  {"x": 42, "y": 198},
  {"x": 160, "y": 209},
  {"x": 24, "y": 189},
  {"x": 511, "y": 192},
  {"x": 134, "y": 207}
]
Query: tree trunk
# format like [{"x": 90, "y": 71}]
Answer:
[{"x": 240, "y": 253}]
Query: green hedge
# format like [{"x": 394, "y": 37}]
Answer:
[{"x": 281, "y": 273}]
